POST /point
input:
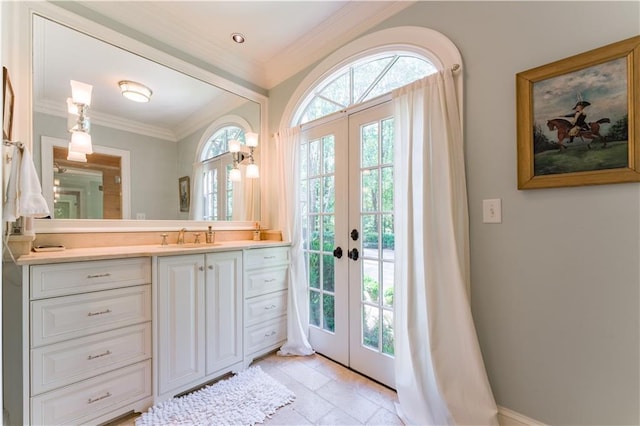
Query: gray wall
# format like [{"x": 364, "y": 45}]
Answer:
[{"x": 555, "y": 286}]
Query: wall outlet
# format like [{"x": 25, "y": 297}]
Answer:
[
  {"x": 492, "y": 210},
  {"x": 141, "y": 216}
]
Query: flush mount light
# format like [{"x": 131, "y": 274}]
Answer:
[
  {"x": 237, "y": 37},
  {"x": 135, "y": 91}
]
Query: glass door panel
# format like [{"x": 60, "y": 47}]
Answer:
[
  {"x": 371, "y": 277},
  {"x": 323, "y": 154}
]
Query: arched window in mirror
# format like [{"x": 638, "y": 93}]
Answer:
[{"x": 216, "y": 195}]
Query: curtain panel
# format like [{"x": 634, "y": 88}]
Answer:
[{"x": 440, "y": 375}]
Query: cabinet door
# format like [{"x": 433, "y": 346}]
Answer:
[
  {"x": 181, "y": 333},
  {"x": 224, "y": 310}
]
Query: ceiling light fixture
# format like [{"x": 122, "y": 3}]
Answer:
[
  {"x": 238, "y": 38},
  {"x": 135, "y": 91}
]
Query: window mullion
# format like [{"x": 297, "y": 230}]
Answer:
[{"x": 378, "y": 78}]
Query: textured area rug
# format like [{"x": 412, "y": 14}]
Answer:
[{"x": 244, "y": 399}]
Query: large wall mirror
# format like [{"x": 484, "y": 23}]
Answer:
[{"x": 162, "y": 138}]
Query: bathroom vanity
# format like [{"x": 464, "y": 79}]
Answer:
[{"x": 94, "y": 333}]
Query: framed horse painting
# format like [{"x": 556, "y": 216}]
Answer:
[{"x": 577, "y": 119}]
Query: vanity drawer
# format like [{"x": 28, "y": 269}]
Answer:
[
  {"x": 62, "y": 318},
  {"x": 267, "y": 280},
  {"x": 67, "y": 362},
  {"x": 90, "y": 399},
  {"x": 266, "y": 257},
  {"x": 79, "y": 277},
  {"x": 262, "y": 308},
  {"x": 262, "y": 336}
]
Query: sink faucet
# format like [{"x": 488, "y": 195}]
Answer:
[{"x": 181, "y": 235}]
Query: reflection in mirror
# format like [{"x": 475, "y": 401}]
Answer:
[
  {"x": 97, "y": 189},
  {"x": 77, "y": 194},
  {"x": 162, "y": 137}
]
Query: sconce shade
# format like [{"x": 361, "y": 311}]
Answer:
[
  {"x": 235, "y": 175},
  {"x": 252, "y": 139},
  {"x": 81, "y": 142},
  {"x": 234, "y": 145},
  {"x": 135, "y": 91},
  {"x": 81, "y": 92},
  {"x": 76, "y": 156},
  {"x": 252, "y": 171}
]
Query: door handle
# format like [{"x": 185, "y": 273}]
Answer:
[
  {"x": 354, "y": 234},
  {"x": 353, "y": 254},
  {"x": 338, "y": 252}
]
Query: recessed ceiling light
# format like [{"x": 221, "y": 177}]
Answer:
[{"x": 237, "y": 37}]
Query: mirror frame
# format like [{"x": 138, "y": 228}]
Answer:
[{"x": 21, "y": 14}]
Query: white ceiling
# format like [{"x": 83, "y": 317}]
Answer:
[{"x": 282, "y": 38}]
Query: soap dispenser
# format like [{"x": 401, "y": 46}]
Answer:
[{"x": 209, "y": 236}]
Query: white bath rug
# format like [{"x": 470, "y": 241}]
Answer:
[{"x": 244, "y": 399}]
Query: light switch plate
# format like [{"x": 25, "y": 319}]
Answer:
[{"x": 492, "y": 210}]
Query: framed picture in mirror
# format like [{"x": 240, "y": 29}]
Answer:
[
  {"x": 185, "y": 196},
  {"x": 7, "y": 102}
]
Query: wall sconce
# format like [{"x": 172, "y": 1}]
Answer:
[
  {"x": 239, "y": 157},
  {"x": 78, "y": 122},
  {"x": 252, "y": 143},
  {"x": 135, "y": 91}
]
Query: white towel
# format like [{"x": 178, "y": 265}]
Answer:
[{"x": 24, "y": 193}]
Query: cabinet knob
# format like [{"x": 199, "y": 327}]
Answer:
[
  {"x": 201, "y": 268},
  {"x": 210, "y": 267}
]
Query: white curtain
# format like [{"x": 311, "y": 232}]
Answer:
[
  {"x": 440, "y": 375},
  {"x": 196, "y": 207},
  {"x": 285, "y": 165}
]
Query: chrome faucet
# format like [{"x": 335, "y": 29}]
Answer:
[{"x": 181, "y": 235}]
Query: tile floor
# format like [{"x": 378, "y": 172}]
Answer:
[{"x": 326, "y": 394}]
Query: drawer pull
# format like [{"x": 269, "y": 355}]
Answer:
[
  {"x": 272, "y": 333},
  {"x": 269, "y": 257},
  {"x": 93, "y": 314},
  {"x": 272, "y": 306},
  {"x": 270, "y": 280},
  {"x": 90, "y": 357},
  {"x": 106, "y": 274},
  {"x": 92, "y": 400}
]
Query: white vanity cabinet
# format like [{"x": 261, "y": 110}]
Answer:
[
  {"x": 85, "y": 343},
  {"x": 265, "y": 300},
  {"x": 198, "y": 319}
]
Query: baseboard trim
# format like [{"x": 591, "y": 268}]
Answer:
[{"x": 513, "y": 418}]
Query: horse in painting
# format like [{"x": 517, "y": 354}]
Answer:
[{"x": 564, "y": 126}]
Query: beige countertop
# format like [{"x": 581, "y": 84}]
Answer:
[{"x": 98, "y": 253}]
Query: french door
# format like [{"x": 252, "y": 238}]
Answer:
[{"x": 347, "y": 211}]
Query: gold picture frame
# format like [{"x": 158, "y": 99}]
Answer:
[
  {"x": 7, "y": 102},
  {"x": 184, "y": 191},
  {"x": 562, "y": 146}
]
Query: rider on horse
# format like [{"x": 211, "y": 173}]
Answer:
[{"x": 579, "y": 119}]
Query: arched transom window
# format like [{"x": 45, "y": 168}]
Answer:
[
  {"x": 362, "y": 80},
  {"x": 218, "y": 144}
]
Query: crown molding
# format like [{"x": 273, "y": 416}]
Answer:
[
  {"x": 107, "y": 120},
  {"x": 327, "y": 37}
]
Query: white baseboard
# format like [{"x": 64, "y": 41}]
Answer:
[{"x": 508, "y": 417}]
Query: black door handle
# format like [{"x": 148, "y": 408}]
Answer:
[
  {"x": 353, "y": 254},
  {"x": 337, "y": 252}
]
